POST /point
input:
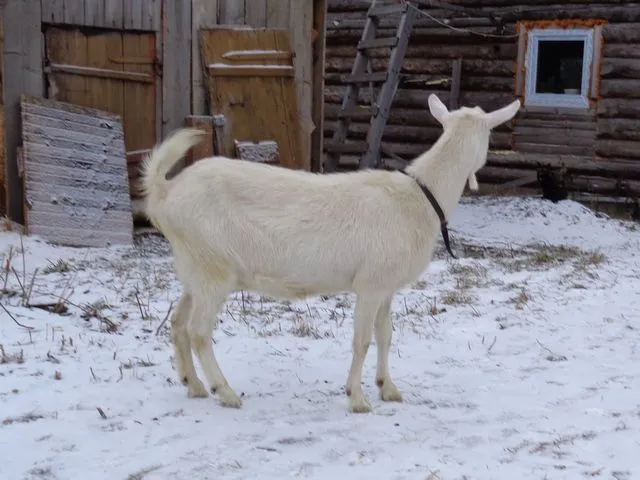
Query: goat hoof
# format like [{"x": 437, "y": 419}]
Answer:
[
  {"x": 362, "y": 406},
  {"x": 196, "y": 390},
  {"x": 389, "y": 392},
  {"x": 229, "y": 398}
]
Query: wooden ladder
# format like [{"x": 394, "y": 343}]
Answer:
[{"x": 379, "y": 110}]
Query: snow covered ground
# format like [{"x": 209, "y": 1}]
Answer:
[{"x": 518, "y": 361}]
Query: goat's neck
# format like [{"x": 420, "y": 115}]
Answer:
[{"x": 445, "y": 168}]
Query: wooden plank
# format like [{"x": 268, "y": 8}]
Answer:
[
  {"x": 176, "y": 94},
  {"x": 63, "y": 176},
  {"x": 317, "y": 102},
  {"x": 100, "y": 72},
  {"x": 256, "y": 13},
  {"x": 72, "y": 117},
  {"x": 226, "y": 70},
  {"x": 255, "y": 108},
  {"x": 74, "y": 12},
  {"x": 152, "y": 15},
  {"x": 132, "y": 12},
  {"x": 278, "y": 13},
  {"x": 204, "y": 15},
  {"x": 114, "y": 14},
  {"x": 73, "y": 211},
  {"x": 231, "y": 12},
  {"x": 52, "y": 11},
  {"x": 87, "y": 161},
  {"x": 248, "y": 55},
  {"x": 93, "y": 13},
  {"x": 139, "y": 112}
]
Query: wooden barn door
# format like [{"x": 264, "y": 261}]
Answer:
[
  {"x": 251, "y": 81},
  {"x": 113, "y": 71}
]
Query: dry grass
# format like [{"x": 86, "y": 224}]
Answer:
[
  {"x": 521, "y": 299},
  {"x": 16, "y": 357}
]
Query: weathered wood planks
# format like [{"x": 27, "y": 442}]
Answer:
[
  {"x": 75, "y": 174},
  {"x": 261, "y": 103}
]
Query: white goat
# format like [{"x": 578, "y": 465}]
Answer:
[{"x": 286, "y": 233}]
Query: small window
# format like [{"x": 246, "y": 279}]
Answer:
[{"x": 558, "y": 65}]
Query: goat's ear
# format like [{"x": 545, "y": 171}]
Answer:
[
  {"x": 437, "y": 108},
  {"x": 502, "y": 115}
]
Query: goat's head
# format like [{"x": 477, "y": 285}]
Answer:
[{"x": 476, "y": 124}]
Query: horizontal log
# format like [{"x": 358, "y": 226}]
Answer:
[
  {"x": 418, "y": 99},
  {"x": 401, "y": 116},
  {"x": 348, "y": 5},
  {"x": 522, "y": 145},
  {"x": 611, "y": 13},
  {"x": 404, "y": 150},
  {"x": 573, "y": 182},
  {"x": 620, "y": 68},
  {"x": 499, "y": 175},
  {"x": 556, "y": 123},
  {"x": 554, "y": 113},
  {"x": 467, "y": 82},
  {"x": 621, "y": 33},
  {"x": 516, "y": 5},
  {"x": 425, "y": 34},
  {"x": 618, "y": 148},
  {"x": 554, "y": 136},
  {"x": 604, "y": 186},
  {"x": 499, "y": 68},
  {"x": 408, "y": 133},
  {"x": 619, "y": 129},
  {"x": 619, "y": 108},
  {"x": 448, "y": 51},
  {"x": 619, "y": 88},
  {"x": 337, "y": 22},
  {"x": 620, "y": 50},
  {"x": 587, "y": 165}
]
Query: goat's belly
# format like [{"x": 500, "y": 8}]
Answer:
[{"x": 289, "y": 289}]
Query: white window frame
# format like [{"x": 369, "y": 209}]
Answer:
[{"x": 535, "y": 35}]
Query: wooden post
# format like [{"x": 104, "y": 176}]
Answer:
[
  {"x": 317, "y": 104},
  {"x": 22, "y": 57},
  {"x": 176, "y": 95},
  {"x": 456, "y": 72},
  {"x": 204, "y": 15}
]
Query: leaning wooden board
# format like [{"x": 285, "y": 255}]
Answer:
[
  {"x": 250, "y": 78},
  {"x": 74, "y": 174}
]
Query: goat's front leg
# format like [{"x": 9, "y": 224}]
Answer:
[
  {"x": 204, "y": 316},
  {"x": 388, "y": 391},
  {"x": 365, "y": 312},
  {"x": 182, "y": 348}
]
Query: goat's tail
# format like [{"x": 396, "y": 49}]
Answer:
[{"x": 164, "y": 156}]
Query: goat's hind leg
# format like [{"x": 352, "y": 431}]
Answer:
[
  {"x": 388, "y": 391},
  {"x": 182, "y": 348},
  {"x": 204, "y": 316}
]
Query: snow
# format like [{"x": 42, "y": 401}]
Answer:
[{"x": 517, "y": 361}]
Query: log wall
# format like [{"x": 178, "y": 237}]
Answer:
[{"x": 597, "y": 148}]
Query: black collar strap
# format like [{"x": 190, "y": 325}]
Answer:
[{"x": 436, "y": 206}]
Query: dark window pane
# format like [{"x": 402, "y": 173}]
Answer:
[{"x": 559, "y": 66}]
